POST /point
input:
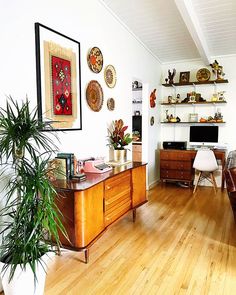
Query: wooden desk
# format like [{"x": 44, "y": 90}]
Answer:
[
  {"x": 90, "y": 206},
  {"x": 177, "y": 165}
]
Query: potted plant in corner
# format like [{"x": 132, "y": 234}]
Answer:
[
  {"x": 118, "y": 139},
  {"x": 31, "y": 217}
]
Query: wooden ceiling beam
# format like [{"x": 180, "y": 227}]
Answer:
[{"x": 189, "y": 17}]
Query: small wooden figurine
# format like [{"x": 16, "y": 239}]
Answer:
[
  {"x": 217, "y": 70},
  {"x": 171, "y": 76}
]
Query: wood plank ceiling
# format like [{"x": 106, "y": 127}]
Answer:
[{"x": 175, "y": 30}]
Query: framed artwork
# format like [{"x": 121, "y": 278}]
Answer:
[
  {"x": 184, "y": 77},
  {"x": 58, "y": 79}
]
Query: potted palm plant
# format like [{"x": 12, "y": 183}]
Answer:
[
  {"x": 118, "y": 140},
  {"x": 30, "y": 219}
]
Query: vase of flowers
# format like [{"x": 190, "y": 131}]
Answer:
[{"x": 118, "y": 140}]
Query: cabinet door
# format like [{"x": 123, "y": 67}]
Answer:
[
  {"x": 88, "y": 215},
  {"x": 139, "y": 195}
]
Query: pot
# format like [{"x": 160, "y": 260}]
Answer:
[
  {"x": 23, "y": 280},
  {"x": 120, "y": 156}
]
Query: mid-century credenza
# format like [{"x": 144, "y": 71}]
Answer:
[{"x": 90, "y": 206}]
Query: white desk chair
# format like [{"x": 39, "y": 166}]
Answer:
[{"x": 205, "y": 162}]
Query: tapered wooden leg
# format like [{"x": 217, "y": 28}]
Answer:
[
  {"x": 213, "y": 181},
  {"x": 199, "y": 175},
  {"x": 86, "y": 255},
  {"x": 134, "y": 215}
]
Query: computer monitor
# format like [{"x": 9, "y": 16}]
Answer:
[{"x": 203, "y": 135}]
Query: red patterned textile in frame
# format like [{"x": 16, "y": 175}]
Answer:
[{"x": 61, "y": 86}]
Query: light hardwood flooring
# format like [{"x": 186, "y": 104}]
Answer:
[{"x": 179, "y": 244}]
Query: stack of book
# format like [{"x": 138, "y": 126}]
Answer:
[{"x": 67, "y": 167}]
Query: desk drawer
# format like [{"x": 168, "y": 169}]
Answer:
[
  {"x": 176, "y": 165},
  {"x": 118, "y": 185},
  {"x": 175, "y": 155},
  {"x": 176, "y": 174}
]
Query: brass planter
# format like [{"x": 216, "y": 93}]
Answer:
[{"x": 120, "y": 156}]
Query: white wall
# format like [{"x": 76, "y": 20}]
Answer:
[{"x": 90, "y": 23}]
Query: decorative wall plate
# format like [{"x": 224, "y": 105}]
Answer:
[
  {"x": 111, "y": 104},
  {"x": 110, "y": 76},
  {"x": 95, "y": 60},
  {"x": 94, "y": 96},
  {"x": 203, "y": 75}
]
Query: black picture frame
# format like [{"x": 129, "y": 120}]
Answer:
[
  {"x": 184, "y": 77},
  {"x": 58, "y": 79}
]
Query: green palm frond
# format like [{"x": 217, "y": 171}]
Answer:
[{"x": 34, "y": 220}]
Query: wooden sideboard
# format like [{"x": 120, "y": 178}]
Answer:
[
  {"x": 90, "y": 206},
  {"x": 177, "y": 165}
]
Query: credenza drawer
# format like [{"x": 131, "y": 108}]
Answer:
[
  {"x": 176, "y": 174},
  {"x": 118, "y": 185},
  {"x": 118, "y": 211},
  {"x": 112, "y": 203},
  {"x": 176, "y": 165},
  {"x": 175, "y": 155}
]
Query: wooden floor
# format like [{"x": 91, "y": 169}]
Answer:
[{"x": 180, "y": 244}]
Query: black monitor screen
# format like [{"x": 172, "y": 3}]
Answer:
[{"x": 203, "y": 134}]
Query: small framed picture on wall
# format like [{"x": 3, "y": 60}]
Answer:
[{"x": 184, "y": 77}]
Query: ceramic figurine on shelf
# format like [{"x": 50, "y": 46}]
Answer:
[
  {"x": 171, "y": 76},
  {"x": 221, "y": 96},
  {"x": 214, "y": 97},
  {"x": 217, "y": 70},
  {"x": 169, "y": 99},
  {"x": 178, "y": 98},
  {"x": 167, "y": 116}
]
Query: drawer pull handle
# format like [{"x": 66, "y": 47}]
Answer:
[{"x": 108, "y": 187}]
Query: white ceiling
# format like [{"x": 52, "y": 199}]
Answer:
[{"x": 175, "y": 30}]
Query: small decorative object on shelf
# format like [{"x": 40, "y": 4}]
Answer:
[
  {"x": 218, "y": 116},
  {"x": 192, "y": 97},
  {"x": 214, "y": 97},
  {"x": 178, "y": 98},
  {"x": 171, "y": 76},
  {"x": 153, "y": 98},
  {"x": 167, "y": 116},
  {"x": 203, "y": 75},
  {"x": 221, "y": 96},
  {"x": 135, "y": 84},
  {"x": 193, "y": 117},
  {"x": 184, "y": 77},
  {"x": 217, "y": 70}
]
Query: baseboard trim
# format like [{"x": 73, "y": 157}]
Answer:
[{"x": 153, "y": 184}]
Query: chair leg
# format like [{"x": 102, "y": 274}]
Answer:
[
  {"x": 198, "y": 178},
  {"x": 213, "y": 181}
]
